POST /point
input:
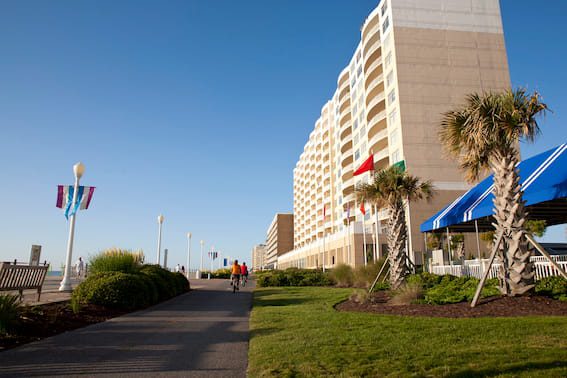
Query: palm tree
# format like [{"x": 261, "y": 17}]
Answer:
[
  {"x": 391, "y": 188},
  {"x": 484, "y": 134}
]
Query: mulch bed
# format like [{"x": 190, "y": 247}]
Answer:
[
  {"x": 490, "y": 307},
  {"x": 38, "y": 322}
]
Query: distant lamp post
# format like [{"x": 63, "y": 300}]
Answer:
[
  {"x": 78, "y": 170},
  {"x": 202, "y": 242},
  {"x": 188, "y": 254},
  {"x": 160, "y": 220}
]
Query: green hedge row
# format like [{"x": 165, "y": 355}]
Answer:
[
  {"x": 553, "y": 287},
  {"x": 151, "y": 284},
  {"x": 293, "y": 277}
]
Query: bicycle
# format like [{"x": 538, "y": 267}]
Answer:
[
  {"x": 244, "y": 281},
  {"x": 235, "y": 283}
]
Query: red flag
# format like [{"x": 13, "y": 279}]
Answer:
[
  {"x": 368, "y": 165},
  {"x": 362, "y": 208}
]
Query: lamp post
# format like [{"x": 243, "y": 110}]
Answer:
[
  {"x": 160, "y": 220},
  {"x": 188, "y": 254},
  {"x": 201, "y": 266},
  {"x": 78, "y": 170}
]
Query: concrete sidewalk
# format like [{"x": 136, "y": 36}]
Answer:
[{"x": 202, "y": 333}]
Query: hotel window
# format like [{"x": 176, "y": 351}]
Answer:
[
  {"x": 388, "y": 60},
  {"x": 393, "y": 117},
  {"x": 387, "y": 41},
  {"x": 392, "y": 96},
  {"x": 359, "y": 71},
  {"x": 394, "y": 137},
  {"x": 358, "y": 56},
  {"x": 385, "y": 25},
  {"x": 356, "y": 154},
  {"x": 390, "y": 78},
  {"x": 361, "y": 102},
  {"x": 355, "y": 140},
  {"x": 384, "y": 7},
  {"x": 363, "y": 148},
  {"x": 361, "y": 118},
  {"x": 396, "y": 157},
  {"x": 354, "y": 109},
  {"x": 355, "y": 124}
]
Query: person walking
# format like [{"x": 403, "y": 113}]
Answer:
[{"x": 79, "y": 267}]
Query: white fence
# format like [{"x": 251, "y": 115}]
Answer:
[{"x": 476, "y": 268}]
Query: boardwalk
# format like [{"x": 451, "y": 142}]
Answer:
[{"x": 203, "y": 333}]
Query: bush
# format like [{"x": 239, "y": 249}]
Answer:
[
  {"x": 115, "y": 290},
  {"x": 294, "y": 277},
  {"x": 116, "y": 260},
  {"x": 181, "y": 282},
  {"x": 343, "y": 275},
  {"x": 451, "y": 289},
  {"x": 408, "y": 293},
  {"x": 365, "y": 275},
  {"x": 554, "y": 287},
  {"x": 9, "y": 313},
  {"x": 163, "y": 280}
]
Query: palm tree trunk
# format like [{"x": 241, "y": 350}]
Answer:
[
  {"x": 397, "y": 235},
  {"x": 516, "y": 274}
]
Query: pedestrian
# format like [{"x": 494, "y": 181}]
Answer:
[
  {"x": 183, "y": 269},
  {"x": 177, "y": 268},
  {"x": 79, "y": 266}
]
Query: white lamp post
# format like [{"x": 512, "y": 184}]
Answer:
[
  {"x": 188, "y": 254},
  {"x": 160, "y": 220},
  {"x": 201, "y": 266},
  {"x": 78, "y": 170}
]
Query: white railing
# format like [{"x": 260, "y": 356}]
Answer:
[{"x": 476, "y": 268}]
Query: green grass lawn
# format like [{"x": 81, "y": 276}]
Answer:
[{"x": 296, "y": 332}]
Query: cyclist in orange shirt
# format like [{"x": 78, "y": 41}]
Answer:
[{"x": 235, "y": 274}]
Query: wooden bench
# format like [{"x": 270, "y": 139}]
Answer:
[{"x": 22, "y": 277}]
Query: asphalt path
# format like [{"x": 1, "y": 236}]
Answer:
[{"x": 203, "y": 333}]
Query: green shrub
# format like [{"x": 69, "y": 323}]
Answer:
[
  {"x": 365, "y": 275},
  {"x": 343, "y": 275},
  {"x": 294, "y": 277},
  {"x": 554, "y": 287},
  {"x": 116, "y": 260},
  {"x": 381, "y": 286},
  {"x": 181, "y": 282},
  {"x": 9, "y": 313},
  {"x": 408, "y": 293},
  {"x": 453, "y": 289},
  {"x": 163, "y": 280},
  {"x": 114, "y": 290}
]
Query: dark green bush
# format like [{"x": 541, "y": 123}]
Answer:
[
  {"x": 381, "y": 286},
  {"x": 9, "y": 313},
  {"x": 181, "y": 282},
  {"x": 163, "y": 280},
  {"x": 343, "y": 275},
  {"x": 554, "y": 287},
  {"x": 116, "y": 260},
  {"x": 114, "y": 290},
  {"x": 451, "y": 289},
  {"x": 294, "y": 277}
]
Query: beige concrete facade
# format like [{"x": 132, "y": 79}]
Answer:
[
  {"x": 279, "y": 239},
  {"x": 415, "y": 61},
  {"x": 259, "y": 256}
]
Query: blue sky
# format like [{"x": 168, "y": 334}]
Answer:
[{"x": 194, "y": 109}]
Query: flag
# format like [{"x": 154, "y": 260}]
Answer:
[
  {"x": 362, "y": 210},
  {"x": 368, "y": 165},
  {"x": 65, "y": 198},
  {"x": 324, "y": 211}
]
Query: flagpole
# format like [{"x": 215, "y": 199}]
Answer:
[
  {"x": 160, "y": 219},
  {"x": 364, "y": 239},
  {"x": 188, "y": 255},
  {"x": 78, "y": 170},
  {"x": 348, "y": 235},
  {"x": 377, "y": 231}
]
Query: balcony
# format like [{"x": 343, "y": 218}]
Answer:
[
  {"x": 347, "y": 159},
  {"x": 369, "y": 32},
  {"x": 370, "y": 44},
  {"x": 375, "y": 106},
  {"x": 344, "y": 104},
  {"x": 344, "y": 118},
  {"x": 370, "y": 24},
  {"x": 379, "y": 141},
  {"x": 346, "y": 143},
  {"x": 381, "y": 155},
  {"x": 374, "y": 52},
  {"x": 377, "y": 124},
  {"x": 375, "y": 83},
  {"x": 346, "y": 130}
]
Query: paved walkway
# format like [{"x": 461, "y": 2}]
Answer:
[{"x": 203, "y": 333}]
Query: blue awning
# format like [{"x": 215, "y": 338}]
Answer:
[{"x": 544, "y": 184}]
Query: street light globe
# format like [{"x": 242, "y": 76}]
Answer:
[
  {"x": 160, "y": 219},
  {"x": 79, "y": 169},
  {"x": 189, "y": 235},
  {"x": 202, "y": 242}
]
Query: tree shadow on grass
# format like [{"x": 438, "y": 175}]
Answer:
[
  {"x": 517, "y": 368},
  {"x": 259, "y": 302}
]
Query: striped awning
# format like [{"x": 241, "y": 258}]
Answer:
[{"x": 544, "y": 184}]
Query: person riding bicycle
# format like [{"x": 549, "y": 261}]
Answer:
[
  {"x": 235, "y": 272},
  {"x": 244, "y": 272}
]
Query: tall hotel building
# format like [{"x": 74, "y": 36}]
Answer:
[{"x": 416, "y": 59}]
